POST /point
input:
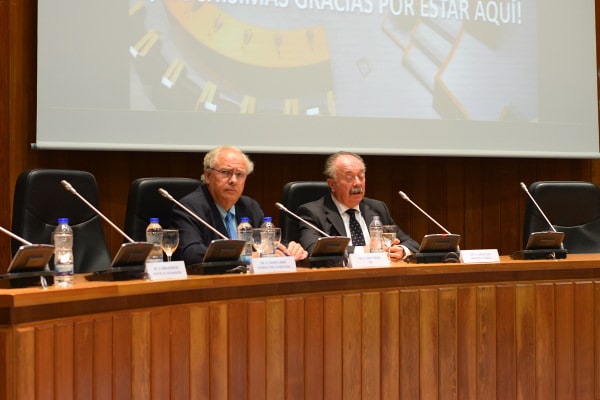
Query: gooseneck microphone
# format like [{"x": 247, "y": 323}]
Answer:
[
  {"x": 168, "y": 196},
  {"x": 405, "y": 197},
  {"x": 537, "y": 206},
  {"x": 299, "y": 218},
  {"x": 71, "y": 189},
  {"x": 12, "y": 235}
]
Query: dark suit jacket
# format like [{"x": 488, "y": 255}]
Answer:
[
  {"x": 324, "y": 214},
  {"x": 194, "y": 237}
]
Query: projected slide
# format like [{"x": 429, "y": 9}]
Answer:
[
  {"x": 424, "y": 59},
  {"x": 423, "y": 77}
]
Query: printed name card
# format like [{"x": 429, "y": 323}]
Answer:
[
  {"x": 369, "y": 260},
  {"x": 161, "y": 271},
  {"x": 270, "y": 265},
  {"x": 479, "y": 256}
]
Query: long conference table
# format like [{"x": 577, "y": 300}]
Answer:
[{"x": 508, "y": 330}]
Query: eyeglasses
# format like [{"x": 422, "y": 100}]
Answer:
[{"x": 228, "y": 173}]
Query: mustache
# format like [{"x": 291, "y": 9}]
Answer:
[{"x": 356, "y": 190}]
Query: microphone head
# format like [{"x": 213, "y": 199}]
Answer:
[
  {"x": 67, "y": 186},
  {"x": 280, "y": 206},
  {"x": 165, "y": 194},
  {"x": 523, "y": 186},
  {"x": 403, "y": 195}
]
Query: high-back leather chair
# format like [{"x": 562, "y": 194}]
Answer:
[
  {"x": 573, "y": 207},
  {"x": 293, "y": 195},
  {"x": 40, "y": 199},
  {"x": 144, "y": 202}
]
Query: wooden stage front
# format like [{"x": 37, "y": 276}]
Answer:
[{"x": 513, "y": 330}]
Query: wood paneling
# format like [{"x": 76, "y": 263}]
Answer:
[
  {"x": 5, "y": 48},
  {"x": 492, "y": 338},
  {"x": 476, "y": 197}
]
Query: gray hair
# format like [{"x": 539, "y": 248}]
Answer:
[
  {"x": 211, "y": 156},
  {"x": 329, "y": 170}
]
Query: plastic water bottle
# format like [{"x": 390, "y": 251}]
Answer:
[
  {"x": 154, "y": 233},
  {"x": 268, "y": 237},
  {"x": 62, "y": 238},
  {"x": 244, "y": 231},
  {"x": 376, "y": 233}
]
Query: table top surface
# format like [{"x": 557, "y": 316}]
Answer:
[{"x": 83, "y": 288}]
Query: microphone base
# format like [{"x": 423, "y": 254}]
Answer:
[
  {"x": 326, "y": 261},
  {"x": 539, "y": 254},
  {"x": 25, "y": 279},
  {"x": 217, "y": 267},
  {"x": 119, "y": 274},
  {"x": 436, "y": 257}
]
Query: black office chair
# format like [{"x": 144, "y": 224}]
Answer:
[
  {"x": 144, "y": 202},
  {"x": 293, "y": 195},
  {"x": 573, "y": 207},
  {"x": 40, "y": 199}
]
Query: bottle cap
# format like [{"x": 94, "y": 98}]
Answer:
[
  {"x": 244, "y": 219},
  {"x": 63, "y": 221},
  {"x": 153, "y": 220},
  {"x": 267, "y": 219}
]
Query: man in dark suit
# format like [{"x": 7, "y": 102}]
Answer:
[
  {"x": 219, "y": 201},
  {"x": 347, "y": 212}
]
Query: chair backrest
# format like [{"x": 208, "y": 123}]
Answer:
[
  {"x": 40, "y": 199},
  {"x": 144, "y": 202},
  {"x": 573, "y": 207},
  {"x": 293, "y": 195}
]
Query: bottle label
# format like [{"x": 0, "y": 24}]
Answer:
[
  {"x": 63, "y": 269},
  {"x": 248, "y": 249},
  {"x": 63, "y": 240},
  {"x": 154, "y": 236},
  {"x": 156, "y": 254}
]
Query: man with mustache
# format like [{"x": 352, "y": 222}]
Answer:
[{"x": 347, "y": 212}]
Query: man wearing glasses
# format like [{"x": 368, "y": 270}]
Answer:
[
  {"x": 347, "y": 212},
  {"x": 220, "y": 202}
]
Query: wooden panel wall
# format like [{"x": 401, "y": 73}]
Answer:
[
  {"x": 477, "y": 197},
  {"x": 486, "y": 341}
]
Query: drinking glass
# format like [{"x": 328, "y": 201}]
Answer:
[
  {"x": 266, "y": 240},
  {"x": 257, "y": 241},
  {"x": 170, "y": 241},
  {"x": 276, "y": 237},
  {"x": 389, "y": 234}
]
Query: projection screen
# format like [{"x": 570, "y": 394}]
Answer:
[{"x": 417, "y": 77}]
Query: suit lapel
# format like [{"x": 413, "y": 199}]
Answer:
[
  {"x": 335, "y": 219},
  {"x": 214, "y": 218},
  {"x": 219, "y": 224},
  {"x": 367, "y": 212}
]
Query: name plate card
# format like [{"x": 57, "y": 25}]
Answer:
[
  {"x": 479, "y": 256},
  {"x": 165, "y": 270},
  {"x": 369, "y": 260},
  {"x": 270, "y": 265}
]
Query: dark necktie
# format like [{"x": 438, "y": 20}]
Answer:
[
  {"x": 356, "y": 233},
  {"x": 230, "y": 225}
]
